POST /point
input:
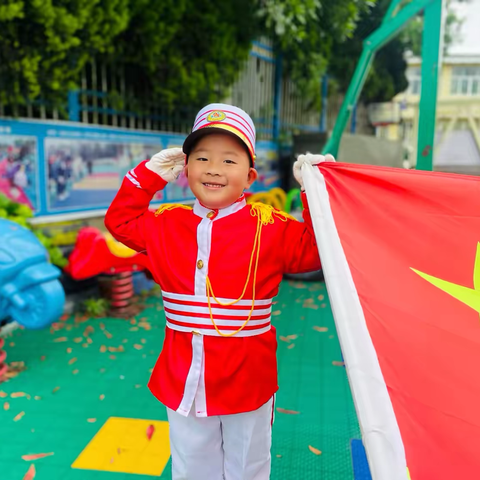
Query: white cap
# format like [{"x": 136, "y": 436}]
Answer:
[{"x": 224, "y": 117}]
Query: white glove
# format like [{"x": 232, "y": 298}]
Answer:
[
  {"x": 312, "y": 160},
  {"x": 168, "y": 163}
]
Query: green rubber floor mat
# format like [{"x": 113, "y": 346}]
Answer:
[{"x": 82, "y": 372}]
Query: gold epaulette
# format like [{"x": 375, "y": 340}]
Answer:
[
  {"x": 267, "y": 213},
  {"x": 171, "y": 206}
]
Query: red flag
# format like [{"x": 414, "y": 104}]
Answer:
[{"x": 401, "y": 256}]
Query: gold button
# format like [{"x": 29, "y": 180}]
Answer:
[
  {"x": 210, "y": 214},
  {"x": 200, "y": 264},
  {"x": 195, "y": 332}
]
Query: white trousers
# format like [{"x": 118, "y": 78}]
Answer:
[{"x": 226, "y": 447}]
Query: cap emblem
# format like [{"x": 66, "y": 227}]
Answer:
[{"x": 216, "y": 116}]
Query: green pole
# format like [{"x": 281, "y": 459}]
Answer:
[
  {"x": 349, "y": 102},
  {"x": 431, "y": 61}
]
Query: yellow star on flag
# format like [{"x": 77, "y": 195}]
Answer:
[{"x": 468, "y": 296}]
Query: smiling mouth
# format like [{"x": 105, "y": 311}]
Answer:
[{"x": 213, "y": 185}]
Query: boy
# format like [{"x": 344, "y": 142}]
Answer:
[{"x": 219, "y": 265}]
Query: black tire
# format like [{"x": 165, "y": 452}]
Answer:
[{"x": 316, "y": 276}]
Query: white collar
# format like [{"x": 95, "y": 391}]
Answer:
[{"x": 201, "y": 211}]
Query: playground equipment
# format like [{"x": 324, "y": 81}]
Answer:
[
  {"x": 397, "y": 17},
  {"x": 98, "y": 253},
  {"x": 30, "y": 292}
]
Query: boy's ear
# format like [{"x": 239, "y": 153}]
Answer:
[
  {"x": 252, "y": 176},
  {"x": 185, "y": 170}
]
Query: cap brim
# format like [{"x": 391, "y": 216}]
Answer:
[{"x": 202, "y": 132}]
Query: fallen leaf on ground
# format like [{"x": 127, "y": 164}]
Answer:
[
  {"x": 138, "y": 346},
  {"x": 138, "y": 386},
  {"x": 311, "y": 305},
  {"x": 279, "y": 456},
  {"x": 314, "y": 450},
  {"x": 103, "y": 349},
  {"x": 320, "y": 329},
  {"x": 89, "y": 329},
  {"x": 3, "y": 394},
  {"x": 91, "y": 420},
  {"x": 36, "y": 456},
  {"x": 75, "y": 371},
  {"x": 102, "y": 325},
  {"x": 143, "y": 341},
  {"x": 56, "y": 389},
  {"x": 30, "y": 475},
  {"x": 18, "y": 394},
  {"x": 42, "y": 358},
  {"x": 78, "y": 339},
  {"x": 337, "y": 364},
  {"x": 276, "y": 313},
  {"x": 102, "y": 396},
  {"x": 69, "y": 350},
  {"x": 112, "y": 357},
  {"x": 309, "y": 300},
  {"x": 292, "y": 337},
  {"x": 292, "y": 345},
  {"x": 125, "y": 340},
  {"x": 108, "y": 334},
  {"x": 150, "y": 431},
  {"x": 19, "y": 416},
  {"x": 323, "y": 305},
  {"x": 289, "y": 412},
  {"x": 133, "y": 329},
  {"x": 12, "y": 344},
  {"x": 36, "y": 397},
  {"x": 115, "y": 349},
  {"x": 320, "y": 297},
  {"x": 60, "y": 339},
  {"x": 6, "y": 406},
  {"x": 331, "y": 336},
  {"x": 133, "y": 322},
  {"x": 72, "y": 360}
]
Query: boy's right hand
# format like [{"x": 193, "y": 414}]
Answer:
[{"x": 168, "y": 163}]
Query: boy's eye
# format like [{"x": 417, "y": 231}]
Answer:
[
  {"x": 229, "y": 161},
  {"x": 202, "y": 159}
]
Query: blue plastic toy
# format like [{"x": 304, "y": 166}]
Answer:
[{"x": 30, "y": 292}]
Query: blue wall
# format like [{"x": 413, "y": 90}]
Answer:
[{"x": 66, "y": 167}]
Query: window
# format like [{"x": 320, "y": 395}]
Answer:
[
  {"x": 465, "y": 81},
  {"x": 414, "y": 77}
]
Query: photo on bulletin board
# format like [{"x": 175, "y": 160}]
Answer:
[
  {"x": 18, "y": 169},
  {"x": 84, "y": 174},
  {"x": 266, "y": 164}
]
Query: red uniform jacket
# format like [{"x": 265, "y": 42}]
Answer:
[{"x": 197, "y": 366}]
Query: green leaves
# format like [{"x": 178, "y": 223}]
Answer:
[{"x": 44, "y": 44}]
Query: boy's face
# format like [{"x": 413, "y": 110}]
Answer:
[{"x": 218, "y": 170}]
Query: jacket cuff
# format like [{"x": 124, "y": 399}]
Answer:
[{"x": 144, "y": 178}]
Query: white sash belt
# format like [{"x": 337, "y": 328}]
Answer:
[{"x": 190, "y": 313}]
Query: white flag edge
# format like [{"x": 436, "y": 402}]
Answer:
[{"x": 380, "y": 433}]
